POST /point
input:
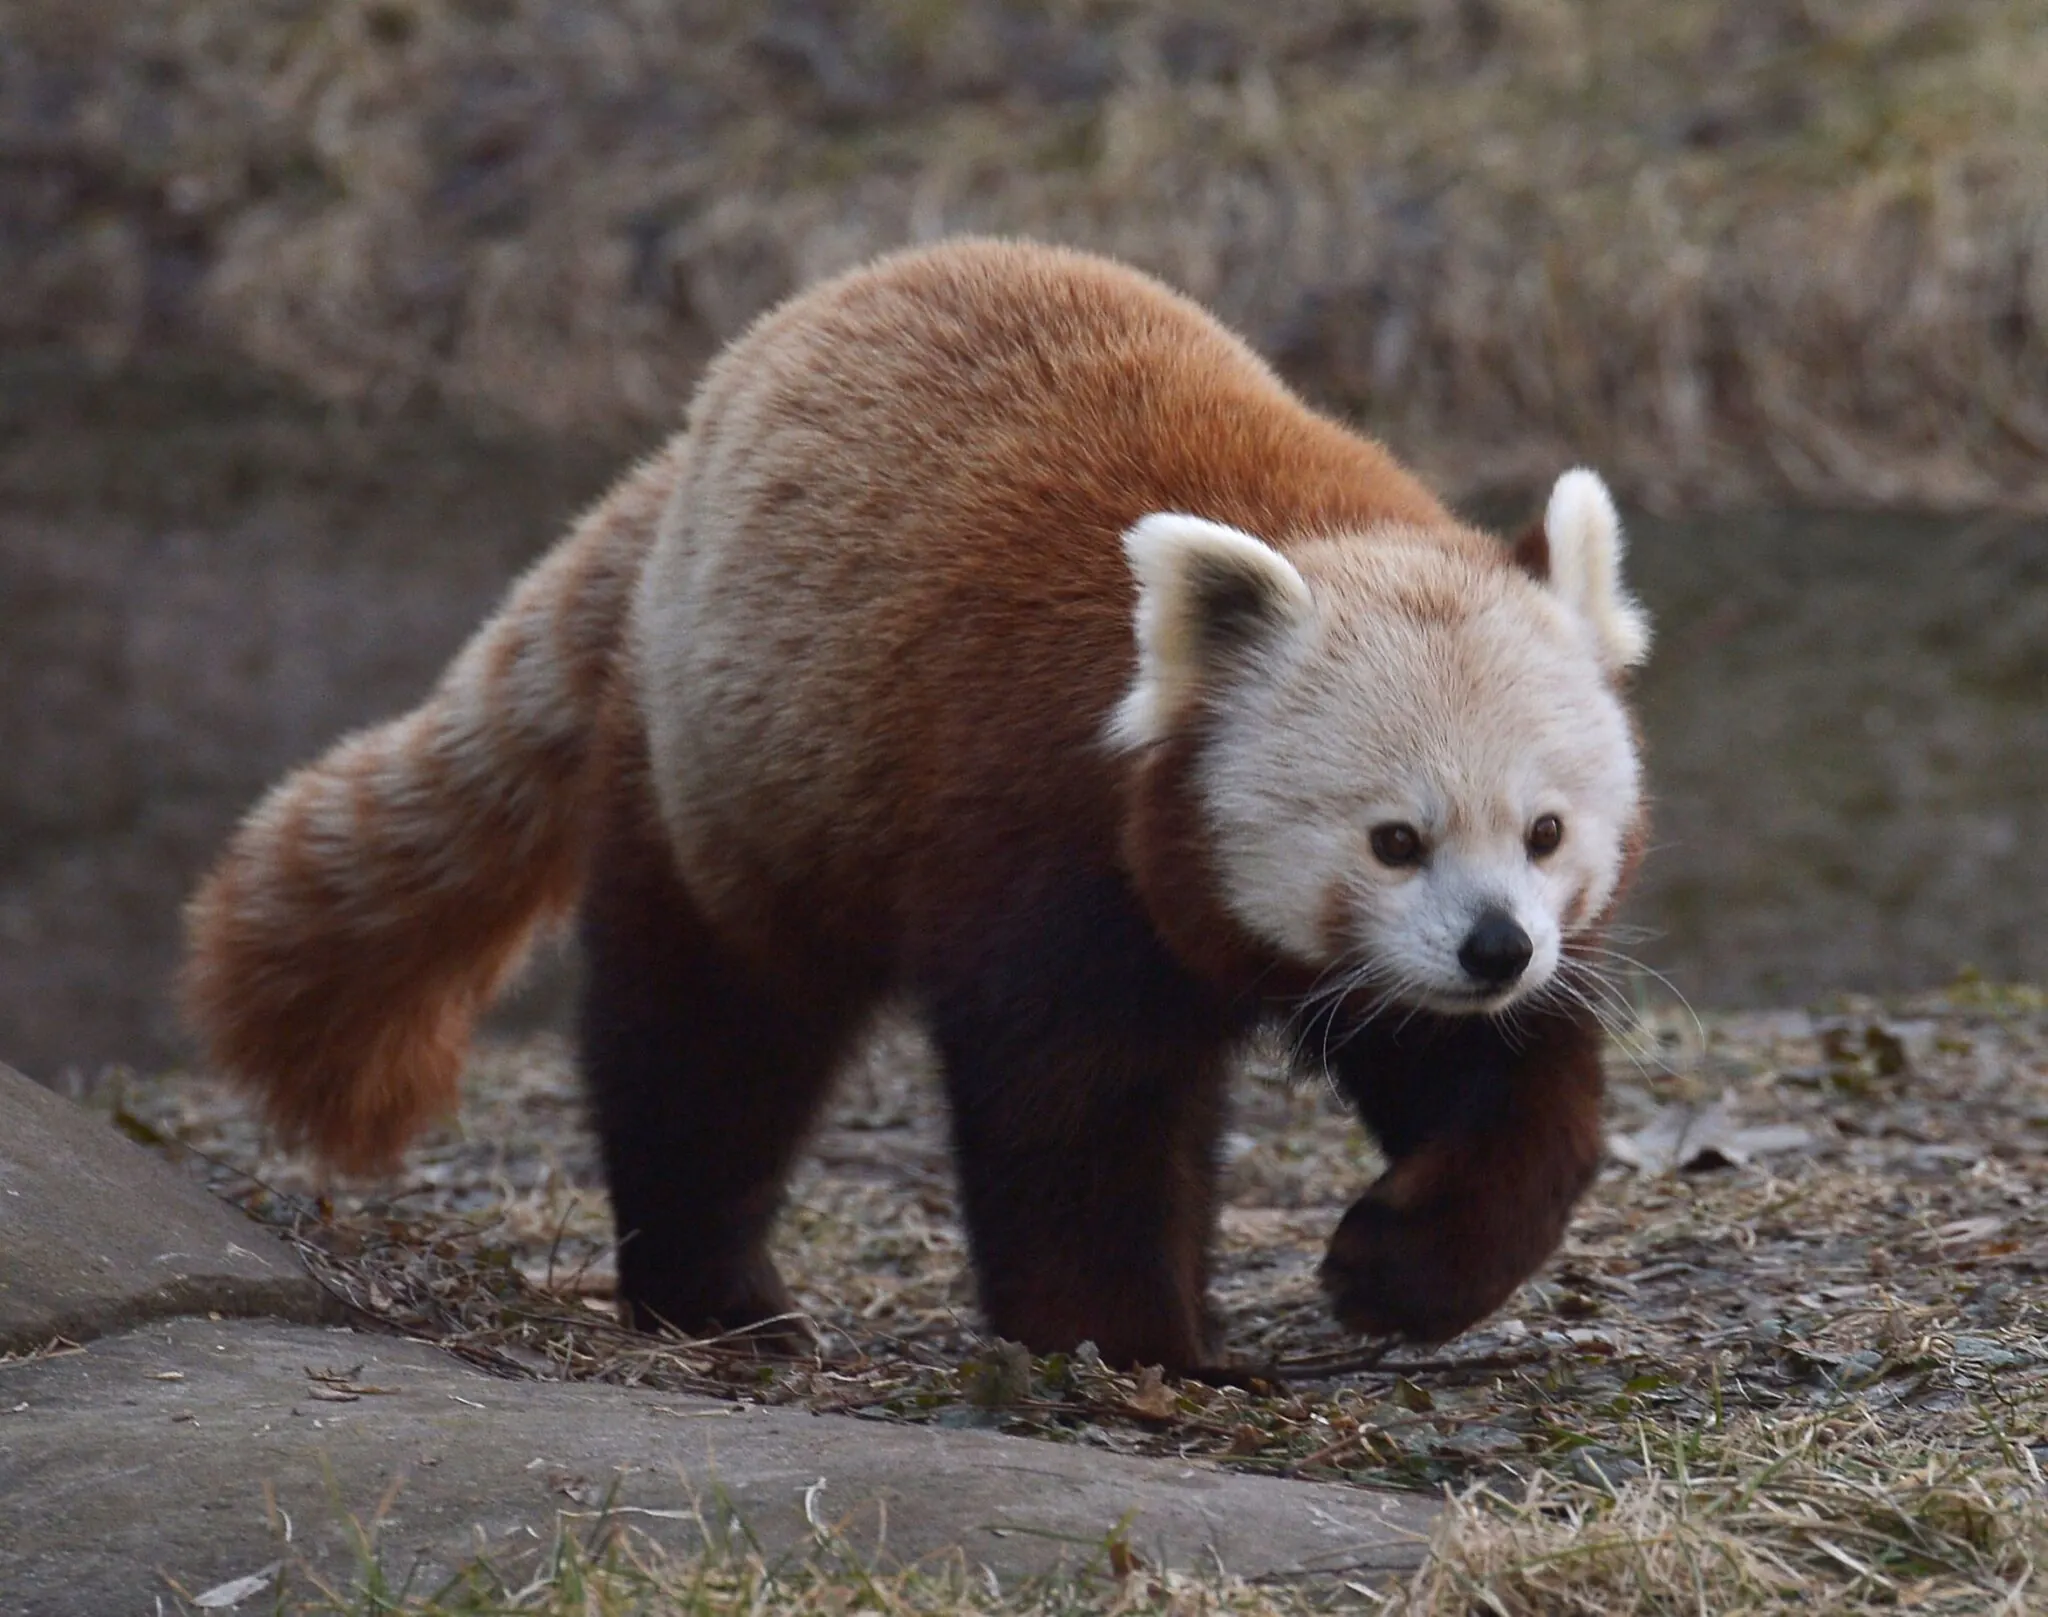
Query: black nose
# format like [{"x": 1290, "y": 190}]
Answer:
[{"x": 1496, "y": 950}]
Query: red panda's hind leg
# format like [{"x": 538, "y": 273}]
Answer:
[
  {"x": 1086, "y": 1072},
  {"x": 703, "y": 1081}
]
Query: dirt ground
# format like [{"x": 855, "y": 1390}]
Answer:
[{"x": 1798, "y": 1331}]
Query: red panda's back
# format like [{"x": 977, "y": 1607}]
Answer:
[{"x": 890, "y": 614}]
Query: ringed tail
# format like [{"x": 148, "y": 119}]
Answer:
[{"x": 372, "y": 903}]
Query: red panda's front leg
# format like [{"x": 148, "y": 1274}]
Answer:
[
  {"x": 1087, "y": 1076},
  {"x": 1493, "y": 1133}
]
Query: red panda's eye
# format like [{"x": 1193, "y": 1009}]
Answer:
[
  {"x": 1396, "y": 845},
  {"x": 1545, "y": 835}
]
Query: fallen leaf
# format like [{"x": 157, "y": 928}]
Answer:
[
  {"x": 1692, "y": 1139},
  {"x": 1246, "y": 1439},
  {"x": 236, "y": 1590},
  {"x": 1152, "y": 1397},
  {"x": 573, "y": 1485}
]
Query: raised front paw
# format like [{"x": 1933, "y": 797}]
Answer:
[{"x": 1424, "y": 1273}]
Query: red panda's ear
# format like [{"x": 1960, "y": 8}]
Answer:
[
  {"x": 1206, "y": 592},
  {"x": 1582, "y": 546},
  {"x": 1532, "y": 552}
]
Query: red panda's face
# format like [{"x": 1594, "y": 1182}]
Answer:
[
  {"x": 1425, "y": 805},
  {"x": 1416, "y": 777}
]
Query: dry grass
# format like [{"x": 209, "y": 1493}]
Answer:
[
  {"x": 607, "y": 1570},
  {"x": 600, "y": 1566},
  {"x": 1818, "y": 1512},
  {"x": 1810, "y": 1371},
  {"x": 1735, "y": 250}
]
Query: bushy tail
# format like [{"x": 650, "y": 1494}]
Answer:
[{"x": 373, "y": 902}]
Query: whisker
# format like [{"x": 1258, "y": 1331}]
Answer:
[
  {"x": 1585, "y": 985},
  {"x": 1603, "y": 1017},
  {"x": 1590, "y": 978},
  {"x": 1322, "y": 1003},
  {"x": 1353, "y": 993},
  {"x": 1670, "y": 987}
]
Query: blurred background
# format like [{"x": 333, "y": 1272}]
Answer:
[{"x": 319, "y": 317}]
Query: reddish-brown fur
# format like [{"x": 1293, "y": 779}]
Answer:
[
  {"x": 338, "y": 976},
  {"x": 1492, "y": 1141},
  {"x": 900, "y": 501}
]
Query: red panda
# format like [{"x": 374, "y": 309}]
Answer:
[{"x": 1003, "y": 640}]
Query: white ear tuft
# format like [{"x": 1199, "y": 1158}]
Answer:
[
  {"x": 1584, "y": 536},
  {"x": 1204, "y": 592}
]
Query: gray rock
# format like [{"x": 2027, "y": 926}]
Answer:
[
  {"x": 204, "y": 1449},
  {"x": 176, "y": 1455},
  {"x": 97, "y": 1235}
]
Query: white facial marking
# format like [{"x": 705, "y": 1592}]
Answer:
[
  {"x": 1434, "y": 690},
  {"x": 1584, "y": 533}
]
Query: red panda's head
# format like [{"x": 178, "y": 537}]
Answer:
[{"x": 1413, "y": 770}]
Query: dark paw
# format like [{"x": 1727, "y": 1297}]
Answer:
[
  {"x": 1413, "y": 1273},
  {"x": 749, "y": 1308},
  {"x": 773, "y": 1333}
]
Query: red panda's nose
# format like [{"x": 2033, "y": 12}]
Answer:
[{"x": 1496, "y": 950}]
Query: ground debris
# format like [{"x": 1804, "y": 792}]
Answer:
[
  {"x": 1688, "y": 1138},
  {"x": 1821, "y": 1369}
]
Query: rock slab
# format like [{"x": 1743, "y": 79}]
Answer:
[
  {"x": 180, "y": 1416},
  {"x": 172, "y": 1458},
  {"x": 97, "y": 1235}
]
